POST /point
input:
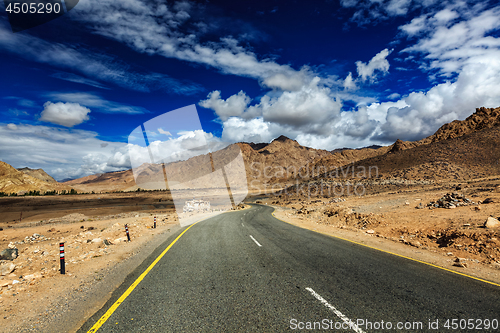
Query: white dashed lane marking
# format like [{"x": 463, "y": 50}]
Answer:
[
  {"x": 339, "y": 314},
  {"x": 255, "y": 240}
]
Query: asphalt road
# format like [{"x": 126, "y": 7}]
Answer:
[{"x": 246, "y": 271}]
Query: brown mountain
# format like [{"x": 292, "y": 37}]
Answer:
[
  {"x": 481, "y": 119},
  {"x": 15, "y": 181},
  {"x": 104, "y": 182},
  {"x": 344, "y": 157},
  {"x": 460, "y": 150},
  {"x": 280, "y": 160},
  {"x": 39, "y": 174},
  {"x": 473, "y": 155},
  {"x": 277, "y": 161}
]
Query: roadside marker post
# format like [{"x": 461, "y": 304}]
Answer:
[
  {"x": 61, "y": 257},
  {"x": 154, "y": 226},
  {"x": 126, "y": 230}
]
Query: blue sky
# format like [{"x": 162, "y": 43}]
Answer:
[{"x": 329, "y": 74}]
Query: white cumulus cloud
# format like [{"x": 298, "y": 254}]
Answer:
[
  {"x": 234, "y": 106},
  {"x": 65, "y": 114},
  {"x": 312, "y": 109}
]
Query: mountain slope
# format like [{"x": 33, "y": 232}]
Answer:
[
  {"x": 264, "y": 164},
  {"x": 344, "y": 157},
  {"x": 14, "y": 181},
  {"x": 481, "y": 119},
  {"x": 473, "y": 155},
  {"x": 458, "y": 150},
  {"x": 39, "y": 174}
]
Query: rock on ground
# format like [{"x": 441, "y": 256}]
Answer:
[
  {"x": 7, "y": 268},
  {"x": 9, "y": 254},
  {"x": 492, "y": 222}
]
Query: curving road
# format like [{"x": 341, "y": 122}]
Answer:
[{"x": 246, "y": 271}]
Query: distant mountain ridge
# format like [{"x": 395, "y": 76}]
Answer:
[
  {"x": 339, "y": 150},
  {"x": 283, "y": 158}
]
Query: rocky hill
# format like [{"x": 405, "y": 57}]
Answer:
[
  {"x": 470, "y": 156},
  {"x": 343, "y": 158},
  {"x": 15, "y": 181},
  {"x": 38, "y": 173},
  {"x": 279, "y": 161},
  {"x": 481, "y": 119},
  {"x": 460, "y": 150}
]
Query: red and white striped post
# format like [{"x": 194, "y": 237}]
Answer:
[
  {"x": 126, "y": 230},
  {"x": 61, "y": 257},
  {"x": 154, "y": 226}
]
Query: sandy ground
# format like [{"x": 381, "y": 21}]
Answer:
[
  {"x": 29, "y": 211},
  {"x": 92, "y": 248},
  {"x": 97, "y": 254},
  {"x": 392, "y": 221}
]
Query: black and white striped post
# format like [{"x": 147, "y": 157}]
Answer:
[
  {"x": 126, "y": 230},
  {"x": 154, "y": 226},
  {"x": 61, "y": 257}
]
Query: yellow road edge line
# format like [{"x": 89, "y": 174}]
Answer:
[
  {"x": 395, "y": 254},
  {"x": 122, "y": 298}
]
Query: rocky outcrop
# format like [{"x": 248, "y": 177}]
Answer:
[{"x": 401, "y": 145}]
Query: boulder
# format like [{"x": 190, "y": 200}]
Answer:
[
  {"x": 96, "y": 240},
  {"x": 488, "y": 200},
  {"x": 7, "y": 268},
  {"x": 491, "y": 222},
  {"x": 9, "y": 254}
]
